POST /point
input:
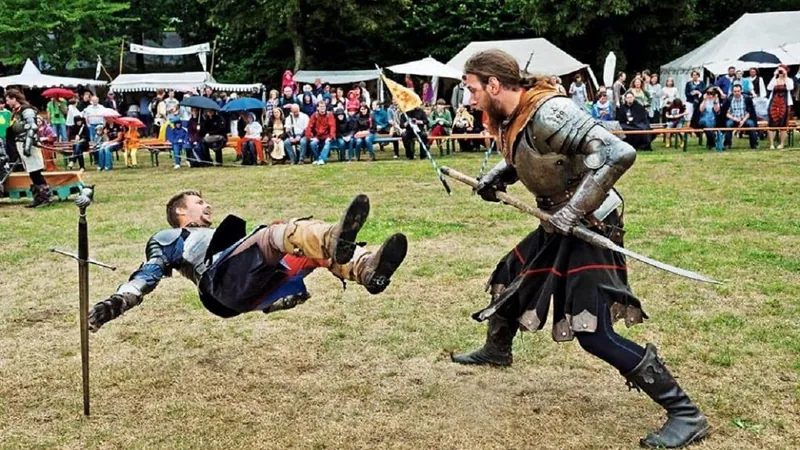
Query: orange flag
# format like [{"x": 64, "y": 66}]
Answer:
[{"x": 406, "y": 98}]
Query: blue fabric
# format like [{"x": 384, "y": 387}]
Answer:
[
  {"x": 176, "y": 152},
  {"x": 381, "y": 118},
  {"x": 152, "y": 273},
  {"x": 609, "y": 346},
  {"x": 177, "y": 135},
  {"x": 737, "y": 107},
  {"x": 289, "y": 148},
  {"x": 751, "y": 134}
]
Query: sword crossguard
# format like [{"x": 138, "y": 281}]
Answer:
[{"x": 88, "y": 261}]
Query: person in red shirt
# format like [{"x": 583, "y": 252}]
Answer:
[
  {"x": 321, "y": 128},
  {"x": 353, "y": 103}
]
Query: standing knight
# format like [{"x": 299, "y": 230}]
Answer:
[
  {"x": 23, "y": 133},
  {"x": 570, "y": 164}
]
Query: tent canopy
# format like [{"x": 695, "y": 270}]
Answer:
[
  {"x": 33, "y": 78},
  {"x": 788, "y": 54},
  {"x": 547, "y": 58},
  {"x": 182, "y": 81},
  {"x": 427, "y": 67},
  {"x": 336, "y": 76},
  {"x": 226, "y": 87}
]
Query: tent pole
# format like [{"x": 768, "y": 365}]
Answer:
[
  {"x": 121, "y": 52},
  {"x": 213, "y": 54}
]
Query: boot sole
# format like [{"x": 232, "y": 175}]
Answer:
[
  {"x": 393, "y": 252},
  {"x": 469, "y": 361},
  {"x": 352, "y": 221},
  {"x": 699, "y": 436}
]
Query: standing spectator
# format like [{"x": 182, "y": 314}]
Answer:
[
  {"x": 252, "y": 137},
  {"x": 602, "y": 110},
  {"x": 272, "y": 102},
  {"x": 780, "y": 103},
  {"x": 295, "y": 129},
  {"x": 208, "y": 92},
  {"x": 307, "y": 89},
  {"x": 222, "y": 100},
  {"x": 707, "y": 112},
  {"x": 676, "y": 117},
  {"x": 131, "y": 146},
  {"x": 739, "y": 113},
  {"x": 394, "y": 122},
  {"x": 335, "y": 102},
  {"x": 654, "y": 92},
  {"x": 133, "y": 110},
  {"x": 94, "y": 116},
  {"x": 57, "y": 110},
  {"x": 345, "y": 129},
  {"x": 577, "y": 90},
  {"x": 326, "y": 94},
  {"x": 80, "y": 143},
  {"x": 287, "y": 100},
  {"x": 198, "y": 156},
  {"x": 759, "y": 89},
  {"x": 640, "y": 94},
  {"x": 363, "y": 93},
  {"x": 276, "y": 135},
  {"x": 464, "y": 123},
  {"x": 353, "y": 105},
  {"x": 214, "y": 129},
  {"x": 307, "y": 106},
  {"x": 288, "y": 81},
  {"x": 440, "y": 121},
  {"x": 414, "y": 120},
  {"x": 365, "y": 133},
  {"x": 145, "y": 115},
  {"x": 111, "y": 102},
  {"x": 185, "y": 112},
  {"x": 618, "y": 88},
  {"x": 427, "y": 94},
  {"x": 747, "y": 86},
  {"x": 694, "y": 89},
  {"x": 179, "y": 137},
  {"x": 321, "y": 129},
  {"x": 47, "y": 137},
  {"x": 556, "y": 81},
  {"x": 725, "y": 83},
  {"x": 86, "y": 100},
  {"x": 72, "y": 113},
  {"x": 457, "y": 99},
  {"x": 158, "y": 108},
  {"x": 668, "y": 94},
  {"x": 409, "y": 82},
  {"x": 97, "y": 141},
  {"x": 318, "y": 87},
  {"x": 633, "y": 116}
]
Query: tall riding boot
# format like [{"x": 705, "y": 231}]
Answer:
[
  {"x": 374, "y": 270},
  {"x": 318, "y": 240},
  {"x": 499, "y": 337},
  {"x": 44, "y": 196},
  {"x": 685, "y": 423}
]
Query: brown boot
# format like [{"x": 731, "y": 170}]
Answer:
[
  {"x": 44, "y": 196},
  {"x": 500, "y": 334},
  {"x": 378, "y": 271}
]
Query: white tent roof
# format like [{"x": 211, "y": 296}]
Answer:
[
  {"x": 31, "y": 77},
  {"x": 428, "y": 67},
  {"x": 336, "y": 76},
  {"x": 182, "y": 81},
  {"x": 226, "y": 87},
  {"x": 751, "y": 32},
  {"x": 547, "y": 58},
  {"x": 788, "y": 54}
]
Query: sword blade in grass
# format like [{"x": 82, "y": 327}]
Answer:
[{"x": 582, "y": 232}]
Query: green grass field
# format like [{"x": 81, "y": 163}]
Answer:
[{"x": 347, "y": 370}]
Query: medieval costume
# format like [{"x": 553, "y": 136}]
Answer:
[
  {"x": 23, "y": 132},
  {"x": 236, "y": 272},
  {"x": 570, "y": 163}
]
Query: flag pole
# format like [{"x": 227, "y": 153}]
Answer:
[{"x": 121, "y": 52}]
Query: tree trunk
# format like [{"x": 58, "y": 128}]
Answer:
[{"x": 297, "y": 41}]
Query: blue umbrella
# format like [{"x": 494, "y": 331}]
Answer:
[
  {"x": 760, "y": 57},
  {"x": 200, "y": 103},
  {"x": 244, "y": 104}
]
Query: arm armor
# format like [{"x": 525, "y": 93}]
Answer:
[{"x": 29, "y": 119}]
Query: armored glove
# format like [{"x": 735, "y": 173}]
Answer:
[
  {"x": 110, "y": 309},
  {"x": 565, "y": 219},
  {"x": 495, "y": 180}
]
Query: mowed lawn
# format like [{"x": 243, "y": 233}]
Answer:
[{"x": 348, "y": 370}]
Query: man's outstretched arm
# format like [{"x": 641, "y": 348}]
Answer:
[{"x": 163, "y": 250}]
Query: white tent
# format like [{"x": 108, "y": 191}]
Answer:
[
  {"x": 227, "y": 87},
  {"x": 336, "y": 76},
  {"x": 142, "y": 82},
  {"x": 751, "y": 32},
  {"x": 31, "y": 77},
  {"x": 545, "y": 58},
  {"x": 427, "y": 67}
]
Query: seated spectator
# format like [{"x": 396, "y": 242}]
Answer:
[
  {"x": 47, "y": 137},
  {"x": 464, "y": 123},
  {"x": 215, "y": 132},
  {"x": 353, "y": 104},
  {"x": 413, "y": 124},
  {"x": 112, "y": 141},
  {"x": 307, "y": 105},
  {"x": 321, "y": 129},
  {"x": 365, "y": 133},
  {"x": 708, "y": 111},
  {"x": 80, "y": 143},
  {"x": 577, "y": 90},
  {"x": 287, "y": 100},
  {"x": 633, "y": 116},
  {"x": 252, "y": 147},
  {"x": 295, "y": 129},
  {"x": 198, "y": 158},
  {"x": 178, "y": 136},
  {"x": 440, "y": 121},
  {"x": 739, "y": 112},
  {"x": 345, "y": 129},
  {"x": 131, "y": 146},
  {"x": 676, "y": 117},
  {"x": 276, "y": 135},
  {"x": 602, "y": 109}
]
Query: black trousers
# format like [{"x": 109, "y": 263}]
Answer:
[
  {"x": 609, "y": 346},
  {"x": 410, "y": 139},
  {"x": 217, "y": 148}
]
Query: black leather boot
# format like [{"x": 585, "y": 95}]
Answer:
[
  {"x": 44, "y": 196},
  {"x": 685, "y": 423},
  {"x": 499, "y": 337},
  {"x": 35, "y": 196},
  {"x": 378, "y": 271},
  {"x": 343, "y": 235}
]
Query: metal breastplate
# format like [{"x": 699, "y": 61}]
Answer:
[{"x": 193, "y": 264}]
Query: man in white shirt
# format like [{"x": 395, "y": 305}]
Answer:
[
  {"x": 295, "y": 126},
  {"x": 172, "y": 104},
  {"x": 94, "y": 115}
]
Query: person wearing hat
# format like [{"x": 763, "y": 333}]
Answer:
[{"x": 252, "y": 137}]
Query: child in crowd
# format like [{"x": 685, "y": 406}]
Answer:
[{"x": 131, "y": 146}]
